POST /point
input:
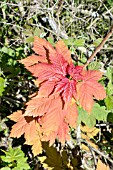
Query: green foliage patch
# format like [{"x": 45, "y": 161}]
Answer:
[{"x": 15, "y": 159}]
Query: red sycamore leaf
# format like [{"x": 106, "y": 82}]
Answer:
[
  {"x": 102, "y": 166},
  {"x": 52, "y": 109},
  {"x": 39, "y": 106},
  {"x": 46, "y": 88},
  {"x": 67, "y": 88},
  {"x": 36, "y": 146},
  {"x": 57, "y": 76},
  {"x": 16, "y": 116},
  {"x": 72, "y": 114},
  {"x": 43, "y": 47},
  {"x": 60, "y": 64},
  {"x": 22, "y": 123},
  {"x": 53, "y": 124},
  {"x": 92, "y": 74},
  {"x": 30, "y": 128},
  {"x": 33, "y": 137},
  {"x": 59, "y": 129},
  {"x": 63, "y": 131},
  {"x": 52, "y": 118},
  {"x": 75, "y": 72},
  {"x": 41, "y": 69},
  {"x": 84, "y": 97},
  {"x": 62, "y": 49},
  {"x": 31, "y": 60},
  {"x": 45, "y": 71},
  {"x": 37, "y": 82},
  {"x": 32, "y": 132},
  {"x": 88, "y": 88}
]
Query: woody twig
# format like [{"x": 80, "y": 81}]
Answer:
[
  {"x": 99, "y": 47},
  {"x": 59, "y": 7}
]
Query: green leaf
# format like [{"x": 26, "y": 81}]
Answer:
[
  {"x": 79, "y": 42},
  {"x": 94, "y": 65},
  {"x": 5, "y": 50},
  {"x": 27, "y": 33},
  {"x": 8, "y": 51},
  {"x": 11, "y": 52},
  {"x": 16, "y": 154},
  {"x": 2, "y": 85},
  {"x": 12, "y": 154},
  {"x": 37, "y": 32},
  {"x": 76, "y": 42},
  {"x": 92, "y": 37},
  {"x": 19, "y": 49},
  {"x": 86, "y": 118},
  {"x": 51, "y": 40},
  {"x": 5, "y": 168},
  {"x": 110, "y": 88},
  {"x": 110, "y": 2},
  {"x": 69, "y": 41},
  {"x": 109, "y": 102},
  {"x": 99, "y": 112},
  {"x": 91, "y": 121},
  {"x": 11, "y": 62},
  {"x": 109, "y": 73},
  {"x": 97, "y": 41},
  {"x": 22, "y": 165},
  {"x": 83, "y": 50},
  {"x": 110, "y": 117},
  {"x": 29, "y": 39}
]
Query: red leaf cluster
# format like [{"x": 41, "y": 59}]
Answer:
[{"x": 61, "y": 84}]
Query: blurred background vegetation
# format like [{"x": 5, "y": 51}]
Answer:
[{"x": 82, "y": 24}]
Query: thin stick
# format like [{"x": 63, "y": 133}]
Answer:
[
  {"x": 99, "y": 47},
  {"x": 59, "y": 7},
  {"x": 99, "y": 152},
  {"x": 11, "y": 100}
]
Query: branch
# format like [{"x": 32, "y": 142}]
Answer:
[
  {"x": 78, "y": 135},
  {"x": 99, "y": 47},
  {"x": 98, "y": 152},
  {"x": 59, "y": 7},
  {"x": 11, "y": 100}
]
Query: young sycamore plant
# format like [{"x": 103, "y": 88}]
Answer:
[{"x": 62, "y": 87}]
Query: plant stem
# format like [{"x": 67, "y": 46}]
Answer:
[
  {"x": 98, "y": 152},
  {"x": 99, "y": 47}
]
